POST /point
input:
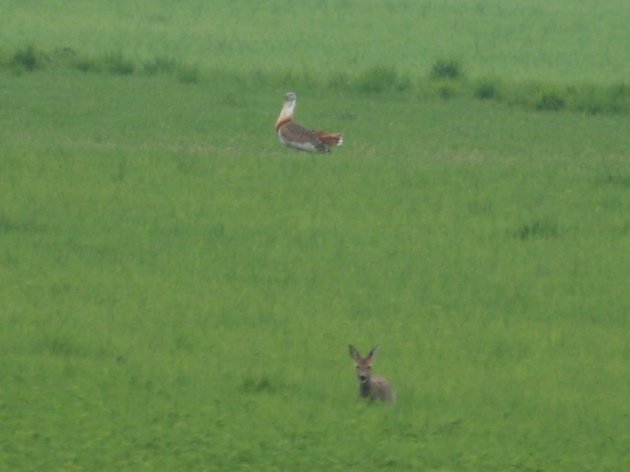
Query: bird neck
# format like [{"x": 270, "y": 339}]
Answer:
[{"x": 286, "y": 114}]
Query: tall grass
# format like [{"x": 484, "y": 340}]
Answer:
[
  {"x": 180, "y": 290},
  {"x": 545, "y": 56},
  {"x": 445, "y": 79},
  {"x": 523, "y": 40}
]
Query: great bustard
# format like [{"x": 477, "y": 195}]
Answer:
[{"x": 299, "y": 137}]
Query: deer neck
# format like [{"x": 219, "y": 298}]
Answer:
[{"x": 365, "y": 387}]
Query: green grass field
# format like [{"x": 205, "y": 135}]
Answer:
[{"x": 178, "y": 290}]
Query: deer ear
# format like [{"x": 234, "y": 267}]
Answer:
[
  {"x": 354, "y": 353},
  {"x": 373, "y": 352}
]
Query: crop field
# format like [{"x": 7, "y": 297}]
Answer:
[{"x": 178, "y": 290}]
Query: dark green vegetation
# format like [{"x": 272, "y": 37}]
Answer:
[
  {"x": 177, "y": 290},
  {"x": 544, "y": 55},
  {"x": 446, "y": 80}
]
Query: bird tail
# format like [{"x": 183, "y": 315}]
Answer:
[{"x": 330, "y": 139}]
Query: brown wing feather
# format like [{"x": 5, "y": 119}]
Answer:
[{"x": 297, "y": 136}]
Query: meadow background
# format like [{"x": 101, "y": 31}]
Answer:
[{"x": 178, "y": 290}]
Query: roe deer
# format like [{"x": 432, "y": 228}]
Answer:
[{"x": 372, "y": 387}]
